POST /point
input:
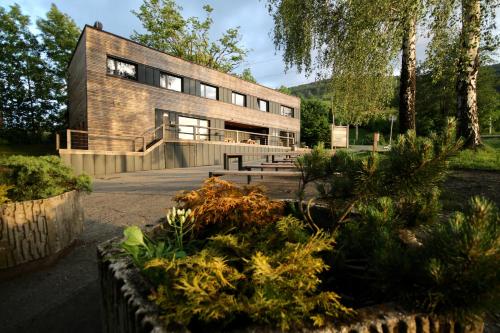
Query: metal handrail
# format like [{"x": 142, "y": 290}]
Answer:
[{"x": 196, "y": 135}]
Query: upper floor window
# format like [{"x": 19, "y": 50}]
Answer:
[
  {"x": 263, "y": 105},
  {"x": 286, "y": 111},
  {"x": 170, "y": 82},
  {"x": 238, "y": 99},
  {"x": 122, "y": 68},
  {"x": 208, "y": 91}
]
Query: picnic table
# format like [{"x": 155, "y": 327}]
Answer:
[{"x": 239, "y": 156}]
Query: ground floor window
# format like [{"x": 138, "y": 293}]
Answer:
[
  {"x": 287, "y": 138},
  {"x": 193, "y": 128}
]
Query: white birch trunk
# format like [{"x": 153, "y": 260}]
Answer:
[
  {"x": 408, "y": 79},
  {"x": 467, "y": 114}
]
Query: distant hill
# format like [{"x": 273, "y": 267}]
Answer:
[{"x": 319, "y": 89}]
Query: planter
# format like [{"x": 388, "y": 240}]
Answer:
[
  {"x": 126, "y": 307},
  {"x": 35, "y": 232}
]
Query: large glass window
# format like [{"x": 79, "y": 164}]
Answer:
[
  {"x": 286, "y": 111},
  {"x": 170, "y": 82},
  {"x": 263, "y": 105},
  {"x": 193, "y": 128},
  {"x": 208, "y": 91},
  {"x": 238, "y": 99},
  {"x": 122, "y": 68}
]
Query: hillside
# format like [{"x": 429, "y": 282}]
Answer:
[{"x": 319, "y": 89}]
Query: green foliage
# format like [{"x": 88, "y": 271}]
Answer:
[
  {"x": 3, "y": 193},
  {"x": 355, "y": 43},
  {"x": 314, "y": 122},
  {"x": 410, "y": 173},
  {"x": 189, "y": 39},
  {"x": 39, "y": 177},
  {"x": 269, "y": 276},
  {"x": 142, "y": 249},
  {"x": 284, "y": 90},
  {"x": 247, "y": 76},
  {"x": 459, "y": 270},
  {"x": 33, "y": 72}
]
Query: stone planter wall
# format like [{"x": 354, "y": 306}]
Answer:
[
  {"x": 126, "y": 308},
  {"x": 37, "y": 229}
]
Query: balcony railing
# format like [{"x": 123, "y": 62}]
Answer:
[{"x": 78, "y": 139}]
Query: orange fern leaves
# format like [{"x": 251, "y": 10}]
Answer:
[{"x": 222, "y": 202}]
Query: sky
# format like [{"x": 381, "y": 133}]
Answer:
[{"x": 251, "y": 16}]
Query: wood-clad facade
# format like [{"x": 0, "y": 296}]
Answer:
[{"x": 107, "y": 104}]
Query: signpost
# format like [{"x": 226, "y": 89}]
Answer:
[{"x": 340, "y": 136}]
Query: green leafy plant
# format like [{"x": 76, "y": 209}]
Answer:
[
  {"x": 39, "y": 177},
  {"x": 141, "y": 248}
]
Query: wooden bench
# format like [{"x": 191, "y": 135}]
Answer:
[
  {"x": 275, "y": 166},
  {"x": 249, "y": 174},
  {"x": 289, "y": 155}
]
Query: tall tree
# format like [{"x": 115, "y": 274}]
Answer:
[
  {"x": 167, "y": 30},
  {"x": 314, "y": 122},
  {"x": 24, "y": 85},
  {"x": 408, "y": 77},
  {"x": 471, "y": 23},
  {"x": 59, "y": 35},
  {"x": 356, "y": 43},
  {"x": 247, "y": 75}
]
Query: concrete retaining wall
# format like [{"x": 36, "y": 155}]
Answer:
[
  {"x": 163, "y": 156},
  {"x": 126, "y": 308},
  {"x": 37, "y": 229}
]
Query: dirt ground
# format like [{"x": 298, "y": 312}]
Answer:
[{"x": 65, "y": 297}]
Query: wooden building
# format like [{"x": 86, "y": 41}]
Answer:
[{"x": 124, "y": 96}]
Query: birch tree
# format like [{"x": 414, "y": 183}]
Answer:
[
  {"x": 465, "y": 29},
  {"x": 356, "y": 43}
]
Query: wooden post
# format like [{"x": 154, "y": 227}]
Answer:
[
  {"x": 68, "y": 139},
  {"x": 143, "y": 144},
  {"x": 237, "y": 136},
  {"x": 375, "y": 141},
  {"x": 58, "y": 141}
]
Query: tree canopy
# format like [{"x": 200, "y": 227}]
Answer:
[
  {"x": 33, "y": 72},
  {"x": 167, "y": 30}
]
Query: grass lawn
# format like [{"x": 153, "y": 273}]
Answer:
[
  {"x": 485, "y": 158},
  {"x": 34, "y": 149}
]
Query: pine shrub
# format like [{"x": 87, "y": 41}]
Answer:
[{"x": 42, "y": 177}]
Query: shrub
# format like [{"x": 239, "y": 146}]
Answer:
[
  {"x": 39, "y": 177},
  {"x": 459, "y": 263},
  {"x": 3, "y": 193},
  {"x": 269, "y": 276},
  {"x": 222, "y": 203},
  {"x": 411, "y": 174}
]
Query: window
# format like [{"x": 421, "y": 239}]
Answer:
[
  {"x": 193, "y": 128},
  {"x": 263, "y": 105},
  {"x": 122, "y": 68},
  {"x": 238, "y": 99},
  {"x": 170, "y": 82},
  {"x": 287, "y": 138},
  {"x": 208, "y": 91},
  {"x": 286, "y": 111}
]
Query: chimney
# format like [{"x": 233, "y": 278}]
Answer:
[{"x": 98, "y": 25}]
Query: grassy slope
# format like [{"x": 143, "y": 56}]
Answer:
[{"x": 486, "y": 158}]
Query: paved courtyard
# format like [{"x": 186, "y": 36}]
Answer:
[{"x": 65, "y": 297}]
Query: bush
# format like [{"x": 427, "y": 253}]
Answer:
[
  {"x": 267, "y": 276},
  {"x": 42, "y": 177},
  {"x": 459, "y": 263},
  {"x": 222, "y": 203}
]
